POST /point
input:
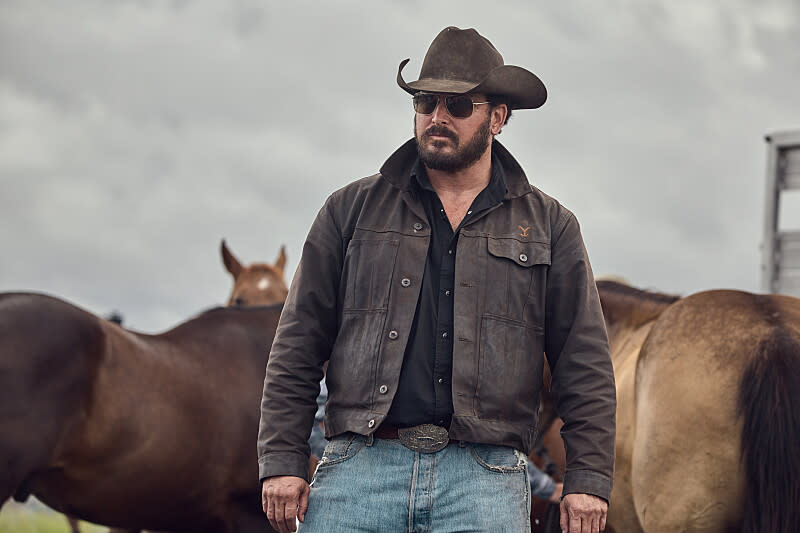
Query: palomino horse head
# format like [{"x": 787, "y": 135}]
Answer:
[{"x": 257, "y": 284}]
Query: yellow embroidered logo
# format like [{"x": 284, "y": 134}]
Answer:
[{"x": 524, "y": 231}]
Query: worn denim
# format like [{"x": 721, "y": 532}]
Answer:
[{"x": 372, "y": 486}]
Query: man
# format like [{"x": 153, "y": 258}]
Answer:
[{"x": 433, "y": 290}]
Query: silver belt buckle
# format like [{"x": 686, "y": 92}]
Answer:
[{"x": 425, "y": 438}]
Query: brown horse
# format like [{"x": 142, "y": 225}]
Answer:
[
  {"x": 708, "y": 413},
  {"x": 257, "y": 284},
  {"x": 133, "y": 430}
]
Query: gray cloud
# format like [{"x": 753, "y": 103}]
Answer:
[{"x": 135, "y": 135}]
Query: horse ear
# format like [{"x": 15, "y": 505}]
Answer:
[
  {"x": 231, "y": 263},
  {"x": 280, "y": 263}
]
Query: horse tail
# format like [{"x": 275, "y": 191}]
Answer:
[{"x": 769, "y": 403}]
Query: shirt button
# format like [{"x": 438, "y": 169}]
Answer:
[
  {"x": 469, "y": 212},
  {"x": 417, "y": 226},
  {"x": 444, "y": 335},
  {"x": 383, "y": 389},
  {"x": 441, "y": 380},
  {"x": 441, "y": 421},
  {"x": 450, "y": 252},
  {"x": 393, "y": 334},
  {"x": 405, "y": 282},
  {"x": 447, "y": 292},
  {"x": 371, "y": 423},
  {"x": 523, "y": 257}
]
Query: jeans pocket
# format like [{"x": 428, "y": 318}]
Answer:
[
  {"x": 340, "y": 449},
  {"x": 502, "y": 459}
]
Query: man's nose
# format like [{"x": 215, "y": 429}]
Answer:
[{"x": 440, "y": 113}]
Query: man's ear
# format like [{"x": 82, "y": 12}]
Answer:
[{"x": 498, "y": 118}]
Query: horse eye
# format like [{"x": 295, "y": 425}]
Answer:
[{"x": 239, "y": 301}]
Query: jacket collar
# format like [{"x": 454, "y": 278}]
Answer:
[{"x": 398, "y": 167}]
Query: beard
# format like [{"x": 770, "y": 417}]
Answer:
[{"x": 461, "y": 157}]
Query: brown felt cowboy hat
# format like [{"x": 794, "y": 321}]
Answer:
[{"x": 462, "y": 61}]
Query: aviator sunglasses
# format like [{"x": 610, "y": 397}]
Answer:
[{"x": 457, "y": 105}]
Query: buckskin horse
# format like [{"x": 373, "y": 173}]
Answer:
[
  {"x": 134, "y": 430},
  {"x": 708, "y": 411}
]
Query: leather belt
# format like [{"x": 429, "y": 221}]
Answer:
[
  {"x": 425, "y": 438},
  {"x": 386, "y": 431}
]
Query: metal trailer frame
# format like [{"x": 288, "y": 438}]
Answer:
[{"x": 780, "y": 250}]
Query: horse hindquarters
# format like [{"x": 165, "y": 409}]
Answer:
[
  {"x": 685, "y": 470},
  {"x": 46, "y": 349},
  {"x": 769, "y": 404}
]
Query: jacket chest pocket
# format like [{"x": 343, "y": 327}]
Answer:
[
  {"x": 516, "y": 278},
  {"x": 367, "y": 273}
]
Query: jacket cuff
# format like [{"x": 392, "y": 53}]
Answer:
[
  {"x": 283, "y": 464},
  {"x": 587, "y": 482}
]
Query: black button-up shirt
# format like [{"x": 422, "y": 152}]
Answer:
[{"x": 424, "y": 394}]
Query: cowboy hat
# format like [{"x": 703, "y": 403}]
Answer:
[{"x": 462, "y": 61}]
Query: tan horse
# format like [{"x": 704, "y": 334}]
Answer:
[{"x": 708, "y": 411}]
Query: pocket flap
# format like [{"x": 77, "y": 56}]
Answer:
[{"x": 524, "y": 254}]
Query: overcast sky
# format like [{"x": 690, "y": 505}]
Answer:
[{"x": 134, "y": 136}]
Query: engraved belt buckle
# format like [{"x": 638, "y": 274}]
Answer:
[{"x": 425, "y": 438}]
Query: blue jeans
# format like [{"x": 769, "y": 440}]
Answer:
[{"x": 371, "y": 486}]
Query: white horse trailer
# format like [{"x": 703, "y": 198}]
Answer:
[{"x": 780, "y": 263}]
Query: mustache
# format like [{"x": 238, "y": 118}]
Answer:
[{"x": 440, "y": 131}]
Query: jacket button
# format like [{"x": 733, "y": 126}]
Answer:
[
  {"x": 393, "y": 334},
  {"x": 405, "y": 282},
  {"x": 417, "y": 226},
  {"x": 523, "y": 257},
  {"x": 371, "y": 423},
  {"x": 383, "y": 389}
]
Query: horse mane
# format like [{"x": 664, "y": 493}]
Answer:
[{"x": 634, "y": 306}]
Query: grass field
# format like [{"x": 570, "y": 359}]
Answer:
[{"x": 36, "y": 518}]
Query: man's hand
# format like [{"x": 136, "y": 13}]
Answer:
[
  {"x": 583, "y": 513},
  {"x": 284, "y": 499}
]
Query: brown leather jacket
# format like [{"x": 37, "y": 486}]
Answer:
[{"x": 523, "y": 287}]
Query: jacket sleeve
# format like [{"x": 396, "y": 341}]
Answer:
[
  {"x": 303, "y": 341},
  {"x": 576, "y": 345}
]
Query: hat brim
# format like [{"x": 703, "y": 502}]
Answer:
[{"x": 521, "y": 88}]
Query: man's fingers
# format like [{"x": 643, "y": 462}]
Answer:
[
  {"x": 574, "y": 523},
  {"x": 290, "y": 516},
  {"x": 603, "y": 522},
  {"x": 595, "y": 525},
  {"x": 301, "y": 510},
  {"x": 279, "y": 516},
  {"x": 586, "y": 524},
  {"x": 271, "y": 514},
  {"x": 563, "y": 519}
]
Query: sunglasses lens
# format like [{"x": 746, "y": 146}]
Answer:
[
  {"x": 459, "y": 106},
  {"x": 424, "y": 104}
]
